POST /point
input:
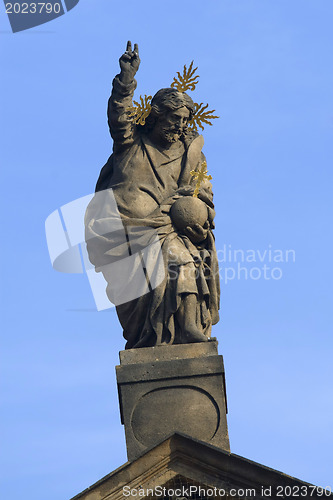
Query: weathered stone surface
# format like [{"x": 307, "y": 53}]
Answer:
[
  {"x": 183, "y": 461},
  {"x": 169, "y": 389},
  {"x": 165, "y": 353},
  {"x": 188, "y": 211},
  {"x": 149, "y": 227}
]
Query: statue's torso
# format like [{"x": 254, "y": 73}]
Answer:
[{"x": 143, "y": 177}]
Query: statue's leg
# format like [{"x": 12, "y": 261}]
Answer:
[{"x": 186, "y": 317}]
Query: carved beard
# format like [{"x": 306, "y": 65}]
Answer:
[{"x": 171, "y": 135}]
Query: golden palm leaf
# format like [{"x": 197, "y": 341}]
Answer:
[
  {"x": 141, "y": 109},
  {"x": 201, "y": 116},
  {"x": 186, "y": 81}
]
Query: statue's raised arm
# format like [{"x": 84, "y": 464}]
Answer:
[{"x": 121, "y": 124}]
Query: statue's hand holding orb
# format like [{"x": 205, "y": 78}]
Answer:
[
  {"x": 197, "y": 233},
  {"x": 190, "y": 216}
]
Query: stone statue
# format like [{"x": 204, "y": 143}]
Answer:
[{"x": 149, "y": 177}]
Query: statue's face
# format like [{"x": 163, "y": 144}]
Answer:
[{"x": 170, "y": 126}]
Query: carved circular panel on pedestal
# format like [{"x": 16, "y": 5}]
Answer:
[{"x": 184, "y": 409}]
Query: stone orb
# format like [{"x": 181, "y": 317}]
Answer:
[{"x": 188, "y": 211}]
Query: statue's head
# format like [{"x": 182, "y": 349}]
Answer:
[{"x": 170, "y": 113}]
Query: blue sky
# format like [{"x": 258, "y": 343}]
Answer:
[{"x": 266, "y": 67}]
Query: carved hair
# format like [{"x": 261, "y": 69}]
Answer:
[{"x": 167, "y": 100}]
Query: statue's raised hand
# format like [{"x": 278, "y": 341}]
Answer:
[{"x": 129, "y": 63}]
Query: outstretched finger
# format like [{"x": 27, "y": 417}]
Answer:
[
  {"x": 194, "y": 235},
  {"x": 136, "y": 48},
  {"x": 198, "y": 228},
  {"x": 129, "y": 46},
  {"x": 189, "y": 231}
]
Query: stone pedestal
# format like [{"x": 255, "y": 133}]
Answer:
[{"x": 168, "y": 389}]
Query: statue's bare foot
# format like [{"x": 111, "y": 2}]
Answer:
[{"x": 192, "y": 334}]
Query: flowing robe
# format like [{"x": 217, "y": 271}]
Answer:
[{"x": 145, "y": 181}]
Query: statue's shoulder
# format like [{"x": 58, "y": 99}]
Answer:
[{"x": 189, "y": 137}]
